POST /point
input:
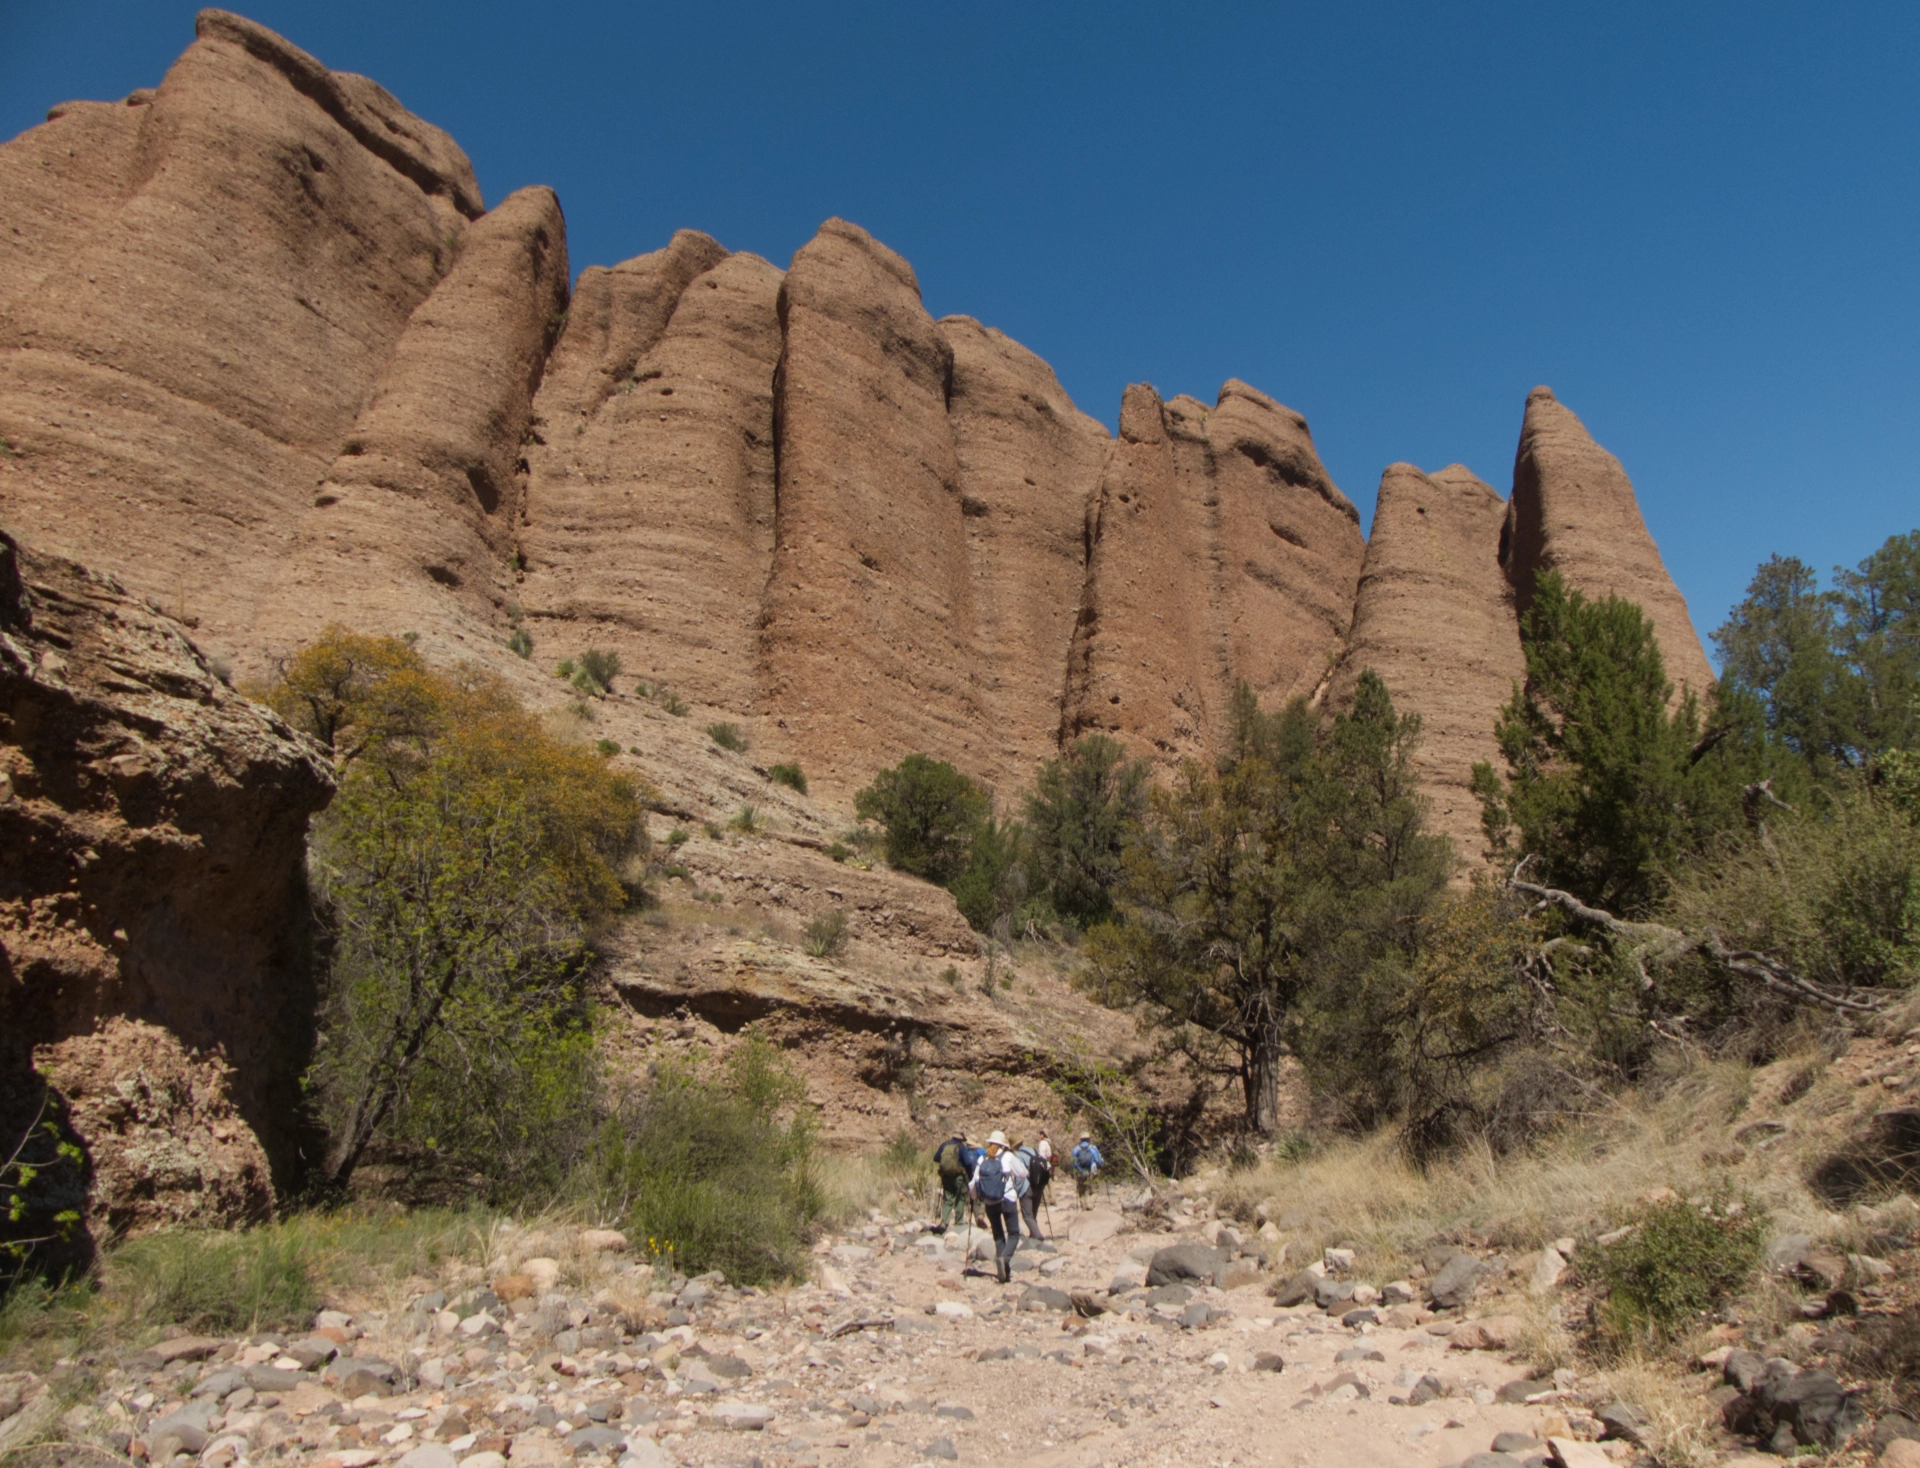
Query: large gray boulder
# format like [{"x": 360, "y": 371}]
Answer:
[
  {"x": 1179, "y": 1262},
  {"x": 1455, "y": 1283}
]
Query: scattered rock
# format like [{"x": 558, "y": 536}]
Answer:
[
  {"x": 1623, "y": 1421},
  {"x": 1179, "y": 1262},
  {"x": 1453, "y": 1285}
]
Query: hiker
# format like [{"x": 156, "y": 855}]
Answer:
[
  {"x": 994, "y": 1184},
  {"x": 1030, "y": 1196},
  {"x": 951, "y": 1158},
  {"x": 1041, "y": 1171},
  {"x": 1087, "y": 1162}
]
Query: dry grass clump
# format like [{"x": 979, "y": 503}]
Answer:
[
  {"x": 856, "y": 1183},
  {"x": 1674, "y": 1132}
]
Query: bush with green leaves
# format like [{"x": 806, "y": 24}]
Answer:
[
  {"x": 789, "y": 775},
  {"x": 520, "y": 642},
  {"x": 1678, "y": 1260},
  {"x": 712, "y": 1167},
  {"x": 994, "y": 883},
  {"x": 1611, "y": 782},
  {"x": 1084, "y": 809},
  {"x": 1295, "y": 868},
  {"x": 461, "y": 866},
  {"x": 728, "y": 737},
  {"x": 930, "y": 813},
  {"x": 827, "y": 935}
]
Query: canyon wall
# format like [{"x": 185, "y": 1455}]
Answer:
[
  {"x": 266, "y": 357},
  {"x": 153, "y": 963}
]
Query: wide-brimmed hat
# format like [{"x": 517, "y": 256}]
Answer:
[
  {"x": 1086, "y": 1136},
  {"x": 998, "y": 1139}
]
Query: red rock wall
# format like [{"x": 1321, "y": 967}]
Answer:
[
  {"x": 184, "y": 347},
  {"x": 1574, "y": 510},
  {"x": 1434, "y": 617},
  {"x": 650, "y": 510},
  {"x": 1222, "y": 553},
  {"x": 260, "y": 316},
  {"x": 152, "y": 902}
]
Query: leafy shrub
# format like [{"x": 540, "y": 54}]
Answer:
[
  {"x": 678, "y": 837},
  {"x": 1679, "y": 1259},
  {"x": 827, "y": 935},
  {"x": 608, "y": 747},
  {"x": 521, "y": 642},
  {"x": 728, "y": 737},
  {"x": 670, "y": 701},
  {"x": 674, "y": 870},
  {"x": 789, "y": 775},
  {"x": 224, "y": 1282},
  {"x": 714, "y": 1168},
  {"x": 747, "y": 822},
  {"x": 461, "y": 864},
  {"x": 930, "y": 812},
  {"x": 1084, "y": 809},
  {"x": 837, "y": 852},
  {"x": 993, "y": 883}
]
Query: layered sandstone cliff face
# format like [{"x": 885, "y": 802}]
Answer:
[
  {"x": 1574, "y": 511},
  {"x": 1435, "y": 618},
  {"x": 152, "y": 902},
  {"x": 261, "y": 286},
  {"x": 264, "y": 355}
]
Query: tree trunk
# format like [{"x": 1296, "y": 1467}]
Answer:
[{"x": 1260, "y": 1075}]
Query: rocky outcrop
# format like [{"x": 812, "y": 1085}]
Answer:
[
  {"x": 260, "y": 315},
  {"x": 1434, "y": 617},
  {"x": 185, "y": 344},
  {"x": 1574, "y": 511},
  {"x": 1029, "y": 464},
  {"x": 1222, "y": 552},
  {"x": 868, "y": 645},
  {"x": 152, "y": 902},
  {"x": 413, "y": 527},
  {"x": 651, "y": 504}
]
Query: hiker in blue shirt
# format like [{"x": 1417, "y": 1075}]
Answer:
[
  {"x": 996, "y": 1182},
  {"x": 1087, "y": 1162}
]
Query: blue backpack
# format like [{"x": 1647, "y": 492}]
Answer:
[{"x": 991, "y": 1181}]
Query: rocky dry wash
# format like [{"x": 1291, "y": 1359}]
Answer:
[
  {"x": 1123, "y": 1339},
  {"x": 261, "y": 313}
]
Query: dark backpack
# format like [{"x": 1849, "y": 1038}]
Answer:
[
  {"x": 991, "y": 1181},
  {"x": 947, "y": 1157},
  {"x": 1039, "y": 1172}
]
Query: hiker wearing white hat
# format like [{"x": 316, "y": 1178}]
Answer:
[{"x": 997, "y": 1177}]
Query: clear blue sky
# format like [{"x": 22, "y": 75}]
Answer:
[{"x": 1700, "y": 223}]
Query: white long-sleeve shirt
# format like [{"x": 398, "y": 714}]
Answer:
[{"x": 1015, "y": 1169}]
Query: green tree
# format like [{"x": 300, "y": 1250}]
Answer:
[
  {"x": 1300, "y": 861},
  {"x": 1880, "y": 605},
  {"x": 461, "y": 865},
  {"x": 994, "y": 884},
  {"x": 1611, "y": 782},
  {"x": 930, "y": 812},
  {"x": 1084, "y": 808},
  {"x": 1834, "y": 672},
  {"x": 1781, "y": 645}
]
